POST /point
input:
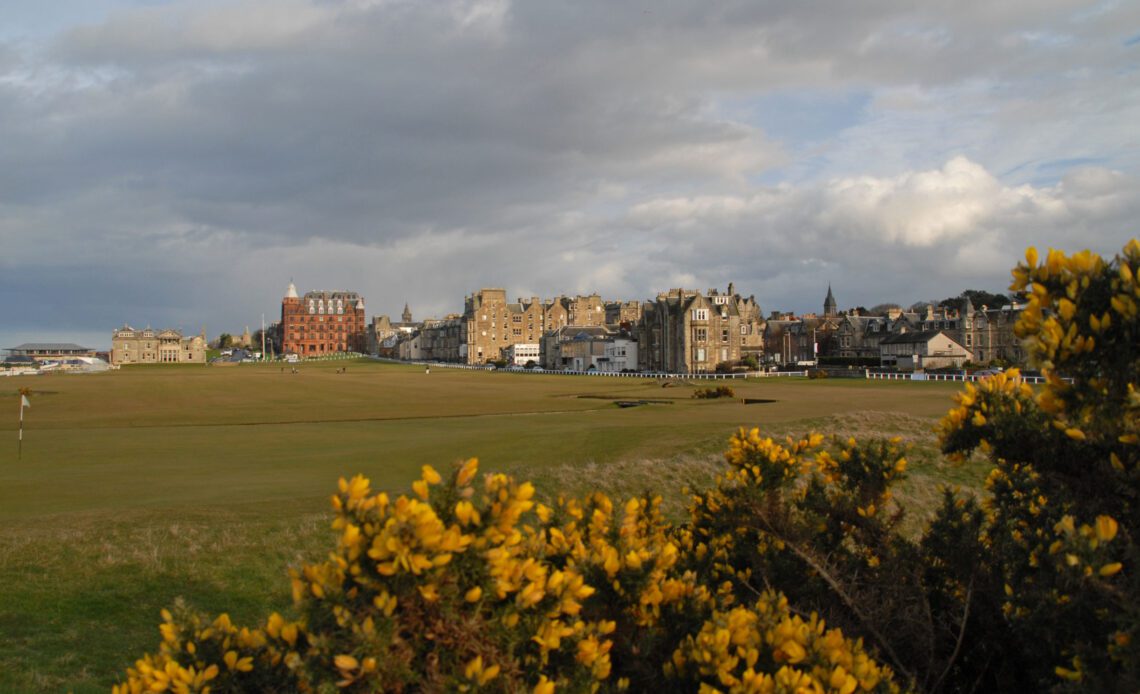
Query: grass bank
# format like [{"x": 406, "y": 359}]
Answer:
[{"x": 144, "y": 485}]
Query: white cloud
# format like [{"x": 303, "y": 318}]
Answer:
[
  {"x": 904, "y": 237},
  {"x": 212, "y": 149}
]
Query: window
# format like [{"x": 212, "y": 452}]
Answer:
[
  {"x": 724, "y": 335},
  {"x": 700, "y": 314},
  {"x": 744, "y": 330},
  {"x": 701, "y": 334}
]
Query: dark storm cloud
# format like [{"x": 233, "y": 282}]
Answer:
[{"x": 416, "y": 151}]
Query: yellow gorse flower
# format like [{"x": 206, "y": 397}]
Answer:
[{"x": 492, "y": 588}]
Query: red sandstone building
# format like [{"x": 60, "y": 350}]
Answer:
[{"x": 321, "y": 323}]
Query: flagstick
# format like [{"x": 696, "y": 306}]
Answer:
[{"x": 20, "y": 445}]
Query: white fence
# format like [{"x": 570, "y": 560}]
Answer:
[
  {"x": 870, "y": 375},
  {"x": 897, "y": 376},
  {"x": 600, "y": 374}
]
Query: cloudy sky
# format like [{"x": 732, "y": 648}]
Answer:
[{"x": 177, "y": 163}]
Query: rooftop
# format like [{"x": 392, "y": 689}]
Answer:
[
  {"x": 911, "y": 336},
  {"x": 53, "y": 347}
]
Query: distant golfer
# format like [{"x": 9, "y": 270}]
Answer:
[{"x": 427, "y": 368}]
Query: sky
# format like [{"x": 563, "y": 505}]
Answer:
[{"x": 176, "y": 164}]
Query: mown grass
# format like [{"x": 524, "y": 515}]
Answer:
[{"x": 145, "y": 485}]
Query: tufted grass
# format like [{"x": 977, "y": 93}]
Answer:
[{"x": 144, "y": 485}]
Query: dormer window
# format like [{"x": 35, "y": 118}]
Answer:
[{"x": 700, "y": 314}]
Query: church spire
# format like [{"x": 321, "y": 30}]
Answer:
[
  {"x": 967, "y": 306},
  {"x": 407, "y": 315},
  {"x": 830, "y": 306}
]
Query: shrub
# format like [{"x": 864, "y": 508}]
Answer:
[
  {"x": 451, "y": 589},
  {"x": 1032, "y": 587},
  {"x": 1062, "y": 519},
  {"x": 817, "y": 373},
  {"x": 711, "y": 393}
]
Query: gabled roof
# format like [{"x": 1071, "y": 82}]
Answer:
[
  {"x": 590, "y": 332},
  {"x": 857, "y": 322},
  {"x": 910, "y": 337},
  {"x": 50, "y": 347}
]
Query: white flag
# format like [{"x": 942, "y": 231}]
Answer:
[{"x": 24, "y": 402}]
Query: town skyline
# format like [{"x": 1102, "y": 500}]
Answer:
[
  {"x": 175, "y": 163},
  {"x": 95, "y": 339}
]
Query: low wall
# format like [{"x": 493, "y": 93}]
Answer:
[{"x": 602, "y": 374}]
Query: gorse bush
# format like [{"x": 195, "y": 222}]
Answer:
[
  {"x": 1057, "y": 546},
  {"x": 453, "y": 589},
  {"x": 790, "y": 574},
  {"x": 713, "y": 392}
]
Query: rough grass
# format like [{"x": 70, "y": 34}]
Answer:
[
  {"x": 81, "y": 591},
  {"x": 918, "y": 494},
  {"x": 144, "y": 485}
]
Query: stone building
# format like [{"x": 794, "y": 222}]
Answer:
[
  {"x": 589, "y": 348},
  {"x": 684, "y": 331},
  {"x": 623, "y": 314},
  {"x": 859, "y": 336},
  {"x": 382, "y": 329},
  {"x": 492, "y": 324},
  {"x": 149, "y": 346},
  {"x": 378, "y": 332},
  {"x": 570, "y": 347},
  {"x": 986, "y": 333},
  {"x": 802, "y": 340},
  {"x": 444, "y": 339},
  {"x": 556, "y": 313},
  {"x": 586, "y": 311},
  {"x": 923, "y": 349},
  {"x": 322, "y": 322}
]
